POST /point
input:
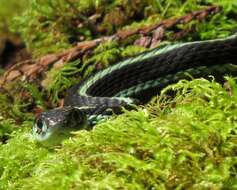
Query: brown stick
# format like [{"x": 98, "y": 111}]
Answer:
[{"x": 31, "y": 69}]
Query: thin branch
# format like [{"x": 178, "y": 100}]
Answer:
[{"x": 31, "y": 69}]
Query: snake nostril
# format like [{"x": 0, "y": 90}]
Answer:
[{"x": 43, "y": 133}]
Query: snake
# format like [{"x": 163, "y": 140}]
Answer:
[{"x": 134, "y": 81}]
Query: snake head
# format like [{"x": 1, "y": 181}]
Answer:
[{"x": 53, "y": 126}]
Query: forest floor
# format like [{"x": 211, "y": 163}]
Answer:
[{"x": 185, "y": 142}]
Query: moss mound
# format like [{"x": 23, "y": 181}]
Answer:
[{"x": 188, "y": 144}]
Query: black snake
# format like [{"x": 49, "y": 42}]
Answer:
[{"x": 133, "y": 81}]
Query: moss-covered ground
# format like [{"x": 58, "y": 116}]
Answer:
[
  {"x": 185, "y": 142},
  {"x": 188, "y": 144}
]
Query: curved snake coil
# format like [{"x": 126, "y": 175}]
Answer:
[{"x": 133, "y": 81}]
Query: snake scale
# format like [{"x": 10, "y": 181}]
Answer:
[{"x": 134, "y": 81}]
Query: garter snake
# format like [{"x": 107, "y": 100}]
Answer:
[{"x": 135, "y": 80}]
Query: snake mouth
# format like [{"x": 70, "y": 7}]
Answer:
[
  {"x": 41, "y": 132},
  {"x": 50, "y": 135}
]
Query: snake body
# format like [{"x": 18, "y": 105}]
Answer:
[{"x": 135, "y": 80}]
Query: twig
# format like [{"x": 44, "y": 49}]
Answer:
[{"x": 33, "y": 68}]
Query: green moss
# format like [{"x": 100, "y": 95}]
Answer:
[
  {"x": 50, "y": 26},
  {"x": 60, "y": 78},
  {"x": 8, "y": 10},
  {"x": 19, "y": 99},
  {"x": 131, "y": 51},
  {"x": 7, "y": 126},
  {"x": 19, "y": 158},
  {"x": 190, "y": 143},
  {"x": 226, "y": 27},
  {"x": 18, "y": 102}
]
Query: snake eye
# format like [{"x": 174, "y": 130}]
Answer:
[{"x": 39, "y": 123}]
